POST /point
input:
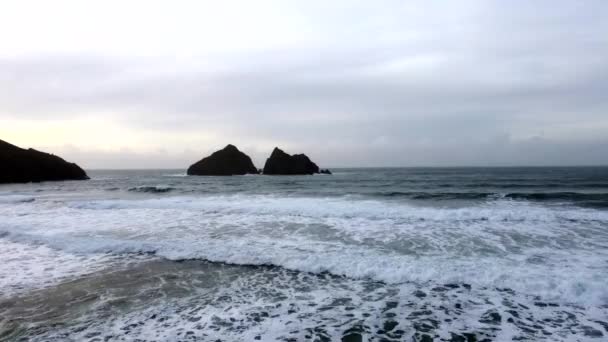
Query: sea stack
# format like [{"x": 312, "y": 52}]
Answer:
[
  {"x": 18, "y": 165},
  {"x": 281, "y": 163},
  {"x": 226, "y": 162}
]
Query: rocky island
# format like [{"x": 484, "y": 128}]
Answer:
[
  {"x": 226, "y": 162},
  {"x": 230, "y": 161},
  {"x": 18, "y": 165},
  {"x": 281, "y": 163}
]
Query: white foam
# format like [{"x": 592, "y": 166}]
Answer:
[
  {"x": 555, "y": 253},
  {"x": 176, "y": 175},
  {"x": 28, "y": 266},
  {"x": 243, "y": 304}
]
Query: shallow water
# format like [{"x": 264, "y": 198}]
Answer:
[{"x": 393, "y": 254}]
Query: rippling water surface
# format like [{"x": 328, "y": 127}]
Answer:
[{"x": 443, "y": 254}]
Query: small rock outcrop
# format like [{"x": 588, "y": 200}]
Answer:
[
  {"x": 226, "y": 162},
  {"x": 325, "y": 171},
  {"x": 281, "y": 163},
  {"x": 18, "y": 165}
]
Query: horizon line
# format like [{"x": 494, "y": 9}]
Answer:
[{"x": 383, "y": 167}]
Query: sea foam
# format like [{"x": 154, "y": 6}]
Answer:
[{"x": 555, "y": 253}]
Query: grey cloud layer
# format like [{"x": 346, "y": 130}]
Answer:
[{"x": 494, "y": 83}]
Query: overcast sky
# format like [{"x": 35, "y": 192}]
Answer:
[{"x": 140, "y": 84}]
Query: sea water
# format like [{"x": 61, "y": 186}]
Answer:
[{"x": 404, "y": 254}]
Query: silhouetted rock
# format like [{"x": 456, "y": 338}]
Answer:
[
  {"x": 325, "y": 171},
  {"x": 19, "y": 165},
  {"x": 227, "y": 162},
  {"x": 281, "y": 163}
]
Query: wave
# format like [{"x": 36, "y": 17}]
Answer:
[
  {"x": 599, "y": 199},
  {"x": 152, "y": 189},
  {"x": 417, "y": 195},
  {"x": 524, "y": 185},
  {"x": 9, "y": 199},
  {"x": 250, "y": 206},
  {"x": 594, "y": 200},
  {"x": 176, "y": 175},
  {"x": 550, "y": 252},
  {"x": 549, "y": 282},
  {"x": 550, "y": 196}
]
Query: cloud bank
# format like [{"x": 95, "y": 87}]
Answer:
[{"x": 351, "y": 83}]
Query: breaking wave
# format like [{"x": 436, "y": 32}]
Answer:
[
  {"x": 158, "y": 189},
  {"x": 581, "y": 198},
  {"x": 558, "y": 254}
]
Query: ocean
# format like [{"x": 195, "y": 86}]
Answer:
[{"x": 396, "y": 254}]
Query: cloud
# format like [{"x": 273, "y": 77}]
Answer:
[{"x": 432, "y": 83}]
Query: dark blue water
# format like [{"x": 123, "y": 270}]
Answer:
[{"x": 585, "y": 186}]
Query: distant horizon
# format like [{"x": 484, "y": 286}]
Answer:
[{"x": 389, "y": 167}]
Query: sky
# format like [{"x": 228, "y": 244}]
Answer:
[{"x": 161, "y": 84}]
